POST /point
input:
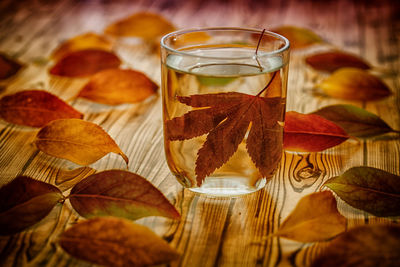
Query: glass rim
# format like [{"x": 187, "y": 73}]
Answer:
[{"x": 200, "y": 29}]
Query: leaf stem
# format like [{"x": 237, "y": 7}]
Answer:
[
  {"x": 258, "y": 45},
  {"x": 268, "y": 84}
]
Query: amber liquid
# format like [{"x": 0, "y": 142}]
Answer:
[{"x": 239, "y": 175}]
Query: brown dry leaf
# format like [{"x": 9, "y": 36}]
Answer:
[
  {"x": 25, "y": 201},
  {"x": 88, "y": 40},
  {"x": 79, "y": 141},
  {"x": 298, "y": 37},
  {"x": 116, "y": 242},
  {"x": 8, "y": 67},
  {"x": 315, "y": 218},
  {"x": 366, "y": 246},
  {"x": 145, "y": 25},
  {"x": 121, "y": 194},
  {"x": 330, "y": 61},
  {"x": 84, "y": 63},
  {"x": 35, "y": 108},
  {"x": 118, "y": 86},
  {"x": 354, "y": 84}
]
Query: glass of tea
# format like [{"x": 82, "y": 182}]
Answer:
[{"x": 224, "y": 97}]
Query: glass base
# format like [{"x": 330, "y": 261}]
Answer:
[{"x": 228, "y": 187}]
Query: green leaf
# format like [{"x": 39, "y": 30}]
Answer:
[
  {"x": 116, "y": 242},
  {"x": 366, "y": 246},
  {"x": 369, "y": 189},
  {"x": 355, "y": 121},
  {"x": 24, "y": 202},
  {"x": 119, "y": 193},
  {"x": 315, "y": 218}
]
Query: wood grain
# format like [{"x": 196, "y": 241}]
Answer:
[{"x": 213, "y": 231}]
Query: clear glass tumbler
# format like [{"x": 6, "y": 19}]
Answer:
[{"x": 224, "y": 97}]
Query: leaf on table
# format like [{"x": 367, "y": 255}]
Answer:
[
  {"x": 8, "y": 66},
  {"x": 367, "y": 246},
  {"x": 355, "y": 121},
  {"x": 116, "y": 242},
  {"x": 354, "y": 84},
  {"x": 79, "y": 141},
  {"x": 35, "y": 108},
  {"x": 372, "y": 190},
  {"x": 84, "y": 41},
  {"x": 144, "y": 25},
  {"x": 225, "y": 118},
  {"x": 119, "y": 193},
  {"x": 298, "y": 37},
  {"x": 315, "y": 218},
  {"x": 84, "y": 63},
  {"x": 330, "y": 61},
  {"x": 118, "y": 86},
  {"x": 311, "y": 133},
  {"x": 25, "y": 201}
]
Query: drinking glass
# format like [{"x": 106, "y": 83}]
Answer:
[{"x": 224, "y": 97}]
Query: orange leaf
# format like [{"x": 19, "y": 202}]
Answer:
[
  {"x": 117, "y": 86},
  {"x": 145, "y": 25},
  {"x": 311, "y": 133},
  {"x": 332, "y": 60},
  {"x": 109, "y": 241},
  {"x": 25, "y": 201},
  {"x": 85, "y": 63},
  {"x": 79, "y": 141},
  {"x": 35, "y": 108},
  {"x": 8, "y": 67},
  {"x": 354, "y": 84},
  {"x": 119, "y": 193},
  {"x": 81, "y": 42},
  {"x": 226, "y": 118},
  {"x": 298, "y": 37}
]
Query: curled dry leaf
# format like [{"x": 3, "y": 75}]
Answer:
[
  {"x": 88, "y": 40},
  {"x": 310, "y": 133},
  {"x": 84, "y": 63},
  {"x": 354, "y": 84},
  {"x": 369, "y": 189},
  {"x": 76, "y": 140},
  {"x": 118, "y": 86},
  {"x": 367, "y": 246},
  {"x": 145, "y": 25},
  {"x": 116, "y": 242},
  {"x": 119, "y": 193},
  {"x": 355, "y": 121},
  {"x": 298, "y": 37},
  {"x": 332, "y": 60},
  {"x": 24, "y": 202},
  {"x": 315, "y": 218},
  {"x": 35, "y": 108},
  {"x": 8, "y": 67}
]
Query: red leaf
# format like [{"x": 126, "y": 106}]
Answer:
[
  {"x": 8, "y": 67},
  {"x": 311, "y": 133},
  {"x": 35, "y": 108},
  {"x": 25, "y": 201},
  {"x": 226, "y": 117},
  {"x": 332, "y": 60},
  {"x": 85, "y": 62}
]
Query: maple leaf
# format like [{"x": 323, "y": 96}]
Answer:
[{"x": 227, "y": 117}]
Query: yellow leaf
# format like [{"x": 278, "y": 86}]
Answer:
[
  {"x": 81, "y": 42},
  {"x": 117, "y": 86},
  {"x": 354, "y": 84},
  {"x": 315, "y": 218},
  {"x": 79, "y": 141},
  {"x": 110, "y": 241},
  {"x": 298, "y": 37},
  {"x": 145, "y": 25}
]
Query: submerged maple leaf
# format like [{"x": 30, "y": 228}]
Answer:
[{"x": 226, "y": 117}]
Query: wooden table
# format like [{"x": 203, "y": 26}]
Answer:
[{"x": 212, "y": 231}]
